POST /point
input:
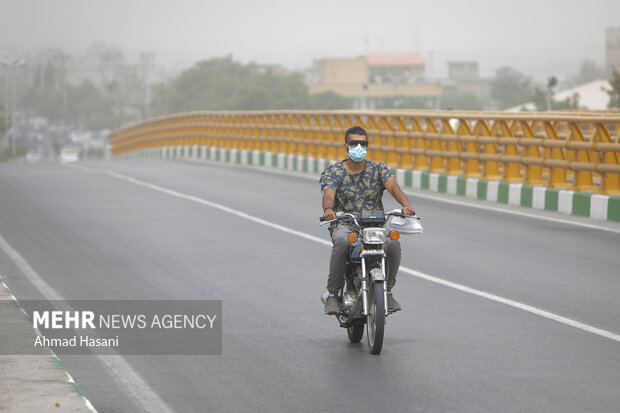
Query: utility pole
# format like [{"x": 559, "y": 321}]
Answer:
[
  {"x": 60, "y": 65},
  {"x": 147, "y": 60},
  {"x": 550, "y": 85},
  {"x": 6, "y": 98},
  {"x": 9, "y": 63}
]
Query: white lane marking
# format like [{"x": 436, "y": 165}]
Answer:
[
  {"x": 437, "y": 280},
  {"x": 117, "y": 365},
  {"x": 205, "y": 202},
  {"x": 509, "y": 211},
  {"x": 515, "y": 304},
  {"x": 419, "y": 194}
]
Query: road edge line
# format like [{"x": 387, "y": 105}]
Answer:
[{"x": 116, "y": 364}]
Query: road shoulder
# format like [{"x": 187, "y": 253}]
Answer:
[{"x": 32, "y": 383}]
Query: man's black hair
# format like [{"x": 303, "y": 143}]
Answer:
[{"x": 355, "y": 130}]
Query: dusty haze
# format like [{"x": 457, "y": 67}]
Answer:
[{"x": 537, "y": 36}]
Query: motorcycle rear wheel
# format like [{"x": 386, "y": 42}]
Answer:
[
  {"x": 375, "y": 320},
  {"x": 355, "y": 333}
]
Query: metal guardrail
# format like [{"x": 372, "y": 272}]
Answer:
[{"x": 562, "y": 150}]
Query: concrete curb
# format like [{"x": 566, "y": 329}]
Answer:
[
  {"x": 33, "y": 383},
  {"x": 585, "y": 204}
]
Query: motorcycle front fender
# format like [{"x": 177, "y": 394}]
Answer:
[{"x": 377, "y": 275}]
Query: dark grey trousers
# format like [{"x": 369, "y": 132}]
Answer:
[{"x": 339, "y": 257}]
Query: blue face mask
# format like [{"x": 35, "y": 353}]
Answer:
[{"x": 357, "y": 153}]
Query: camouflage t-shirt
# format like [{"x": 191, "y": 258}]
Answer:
[{"x": 356, "y": 192}]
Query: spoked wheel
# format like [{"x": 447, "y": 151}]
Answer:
[
  {"x": 355, "y": 332},
  {"x": 375, "y": 321}
]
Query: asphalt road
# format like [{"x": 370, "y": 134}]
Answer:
[{"x": 96, "y": 236}]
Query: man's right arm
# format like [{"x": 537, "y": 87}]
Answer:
[{"x": 329, "y": 197}]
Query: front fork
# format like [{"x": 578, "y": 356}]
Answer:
[{"x": 365, "y": 286}]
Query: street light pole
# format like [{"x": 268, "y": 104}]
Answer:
[
  {"x": 9, "y": 63},
  {"x": 6, "y": 100}
]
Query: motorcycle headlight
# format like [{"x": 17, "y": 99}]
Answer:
[{"x": 374, "y": 236}]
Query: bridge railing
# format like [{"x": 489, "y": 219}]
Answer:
[{"x": 560, "y": 150}]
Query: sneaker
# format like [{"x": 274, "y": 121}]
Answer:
[
  {"x": 332, "y": 305},
  {"x": 393, "y": 305}
]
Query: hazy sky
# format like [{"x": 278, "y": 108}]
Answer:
[{"x": 538, "y": 36}]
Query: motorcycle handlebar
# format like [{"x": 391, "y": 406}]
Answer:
[
  {"x": 339, "y": 215},
  {"x": 396, "y": 212}
]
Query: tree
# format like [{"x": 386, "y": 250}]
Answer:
[
  {"x": 510, "y": 87},
  {"x": 539, "y": 98},
  {"x": 614, "y": 92},
  {"x": 89, "y": 108},
  {"x": 85, "y": 105},
  {"x": 223, "y": 84},
  {"x": 459, "y": 100},
  {"x": 328, "y": 101},
  {"x": 48, "y": 92}
]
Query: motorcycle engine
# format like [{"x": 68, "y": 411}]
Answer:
[{"x": 348, "y": 300}]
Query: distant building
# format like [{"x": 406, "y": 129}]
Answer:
[
  {"x": 463, "y": 71},
  {"x": 395, "y": 68},
  {"x": 335, "y": 72},
  {"x": 464, "y": 76},
  {"x": 612, "y": 49},
  {"x": 373, "y": 79}
]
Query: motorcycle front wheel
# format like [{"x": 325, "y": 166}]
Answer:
[{"x": 375, "y": 320}]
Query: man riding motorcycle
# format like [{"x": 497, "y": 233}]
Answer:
[{"x": 353, "y": 185}]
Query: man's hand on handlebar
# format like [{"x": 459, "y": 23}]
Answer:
[
  {"x": 329, "y": 214},
  {"x": 408, "y": 210}
]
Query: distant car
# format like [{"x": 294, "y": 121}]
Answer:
[
  {"x": 69, "y": 154},
  {"x": 96, "y": 148},
  {"x": 33, "y": 156}
]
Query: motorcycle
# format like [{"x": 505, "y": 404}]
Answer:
[{"x": 363, "y": 296}]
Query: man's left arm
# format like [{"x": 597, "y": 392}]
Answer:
[{"x": 399, "y": 196}]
